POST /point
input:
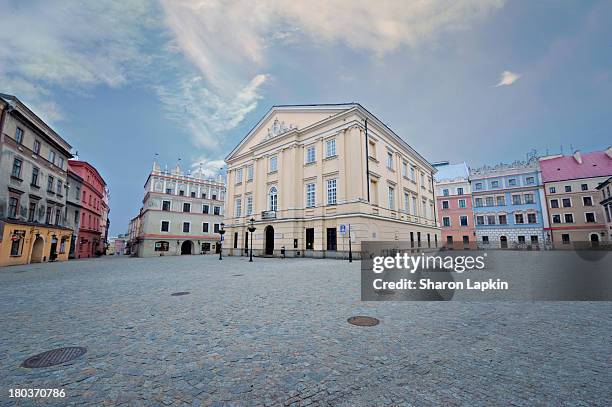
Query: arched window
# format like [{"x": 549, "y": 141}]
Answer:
[{"x": 273, "y": 199}]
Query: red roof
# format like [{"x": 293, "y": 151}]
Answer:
[{"x": 595, "y": 164}]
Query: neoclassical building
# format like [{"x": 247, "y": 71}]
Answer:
[
  {"x": 181, "y": 214},
  {"x": 307, "y": 174}
]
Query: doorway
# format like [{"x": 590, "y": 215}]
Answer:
[
  {"x": 37, "y": 250},
  {"x": 186, "y": 247},
  {"x": 503, "y": 241},
  {"x": 594, "y": 240},
  {"x": 269, "y": 232}
]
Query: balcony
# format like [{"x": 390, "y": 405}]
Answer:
[{"x": 268, "y": 215}]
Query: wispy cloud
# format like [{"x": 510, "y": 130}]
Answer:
[
  {"x": 507, "y": 78},
  {"x": 209, "y": 167}
]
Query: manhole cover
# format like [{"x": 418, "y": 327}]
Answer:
[
  {"x": 361, "y": 320},
  {"x": 54, "y": 357},
  {"x": 180, "y": 293},
  {"x": 237, "y": 275}
]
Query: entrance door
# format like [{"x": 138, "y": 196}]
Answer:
[
  {"x": 186, "y": 247},
  {"x": 53, "y": 251},
  {"x": 269, "y": 240},
  {"x": 332, "y": 242},
  {"x": 594, "y": 239},
  {"x": 37, "y": 250},
  {"x": 503, "y": 241},
  {"x": 310, "y": 239}
]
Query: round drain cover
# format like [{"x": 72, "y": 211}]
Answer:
[
  {"x": 54, "y": 357},
  {"x": 180, "y": 293},
  {"x": 361, "y": 320}
]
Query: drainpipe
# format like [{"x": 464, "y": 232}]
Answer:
[
  {"x": 435, "y": 213},
  {"x": 367, "y": 159}
]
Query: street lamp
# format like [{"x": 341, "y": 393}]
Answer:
[
  {"x": 252, "y": 230},
  {"x": 221, "y": 232}
]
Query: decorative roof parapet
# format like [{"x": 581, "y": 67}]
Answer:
[{"x": 502, "y": 168}]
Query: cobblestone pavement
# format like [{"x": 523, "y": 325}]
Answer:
[{"x": 274, "y": 332}]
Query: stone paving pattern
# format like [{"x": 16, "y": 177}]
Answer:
[{"x": 277, "y": 336}]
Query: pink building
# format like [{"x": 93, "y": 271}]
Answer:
[{"x": 454, "y": 205}]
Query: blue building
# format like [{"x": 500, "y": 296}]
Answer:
[{"x": 509, "y": 205}]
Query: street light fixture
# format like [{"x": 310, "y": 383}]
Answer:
[
  {"x": 221, "y": 232},
  {"x": 252, "y": 230}
]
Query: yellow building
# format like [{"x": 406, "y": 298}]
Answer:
[
  {"x": 308, "y": 174},
  {"x": 33, "y": 187}
]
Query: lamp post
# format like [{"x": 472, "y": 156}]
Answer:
[
  {"x": 350, "y": 248},
  {"x": 221, "y": 232},
  {"x": 252, "y": 230}
]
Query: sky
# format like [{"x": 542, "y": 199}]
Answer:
[{"x": 476, "y": 81}]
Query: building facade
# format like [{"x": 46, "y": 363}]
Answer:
[
  {"x": 454, "y": 205},
  {"x": 572, "y": 197},
  {"x": 508, "y": 205},
  {"x": 73, "y": 208},
  {"x": 33, "y": 165},
  {"x": 89, "y": 242},
  {"x": 181, "y": 214},
  {"x": 606, "y": 205},
  {"x": 307, "y": 175}
]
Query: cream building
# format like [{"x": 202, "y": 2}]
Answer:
[{"x": 307, "y": 174}]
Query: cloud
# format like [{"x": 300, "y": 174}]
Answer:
[
  {"x": 507, "y": 78},
  {"x": 209, "y": 167}
]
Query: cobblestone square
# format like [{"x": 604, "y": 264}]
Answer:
[{"x": 274, "y": 332}]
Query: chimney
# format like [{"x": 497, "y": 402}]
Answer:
[
  {"x": 609, "y": 152},
  {"x": 578, "y": 157}
]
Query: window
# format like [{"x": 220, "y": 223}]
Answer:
[
  {"x": 478, "y": 202},
  {"x": 310, "y": 154},
  {"x": 330, "y": 148},
  {"x": 446, "y": 221},
  {"x": 76, "y": 218},
  {"x": 48, "y": 215},
  {"x": 165, "y": 205},
  {"x": 13, "y": 207},
  {"x": 414, "y": 206},
  {"x": 16, "y": 246},
  {"x": 512, "y": 182},
  {"x": 462, "y": 203},
  {"x": 35, "y": 172},
  {"x": 489, "y": 200},
  {"x": 186, "y": 227},
  {"x": 213, "y": 197},
  {"x": 249, "y": 205},
  {"x": 181, "y": 192},
  {"x": 445, "y": 192},
  {"x": 519, "y": 218},
  {"x": 310, "y": 195},
  {"x": 162, "y": 246},
  {"x": 478, "y": 186},
  {"x": 463, "y": 220},
  {"x": 273, "y": 199},
  {"x": 237, "y": 207},
  {"x": 529, "y": 198},
  {"x": 16, "y": 171},
  {"x": 36, "y": 147},
  {"x": 204, "y": 227},
  {"x": 216, "y": 228},
  {"x": 516, "y": 199},
  {"x": 273, "y": 163},
  {"x": 502, "y": 220},
  {"x": 584, "y": 187},
  {"x": 495, "y": 184},
  {"x": 490, "y": 219},
  {"x": 534, "y": 239},
  {"x": 205, "y": 208},
  {"x": 480, "y": 220},
  {"x": 422, "y": 180},
  {"x": 567, "y": 202},
  {"x": 554, "y": 203},
  {"x": 60, "y": 162},
  {"x": 59, "y": 187},
  {"x": 568, "y": 188},
  {"x": 589, "y": 217},
  {"x": 521, "y": 239},
  {"x": 57, "y": 216},
  {"x": 249, "y": 173},
  {"x": 391, "y": 198},
  {"x": 501, "y": 201},
  {"x": 331, "y": 191},
  {"x": 50, "y": 181},
  {"x": 569, "y": 218},
  {"x": 186, "y": 207},
  {"x": 169, "y": 191},
  {"x": 390, "y": 160},
  {"x": 19, "y": 135},
  {"x": 552, "y": 190},
  {"x": 531, "y": 218},
  {"x": 556, "y": 218},
  {"x": 445, "y": 205},
  {"x": 32, "y": 212},
  {"x": 239, "y": 176},
  {"x": 485, "y": 240},
  {"x": 216, "y": 210},
  {"x": 331, "y": 239},
  {"x": 530, "y": 180},
  {"x": 565, "y": 238},
  {"x": 406, "y": 202},
  {"x": 404, "y": 169},
  {"x": 193, "y": 194},
  {"x": 459, "y": 191},
  {"x": 587, "y": 201},
  {"x": 412, "y": 174},
  {"x": 52, "y": 156}
]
